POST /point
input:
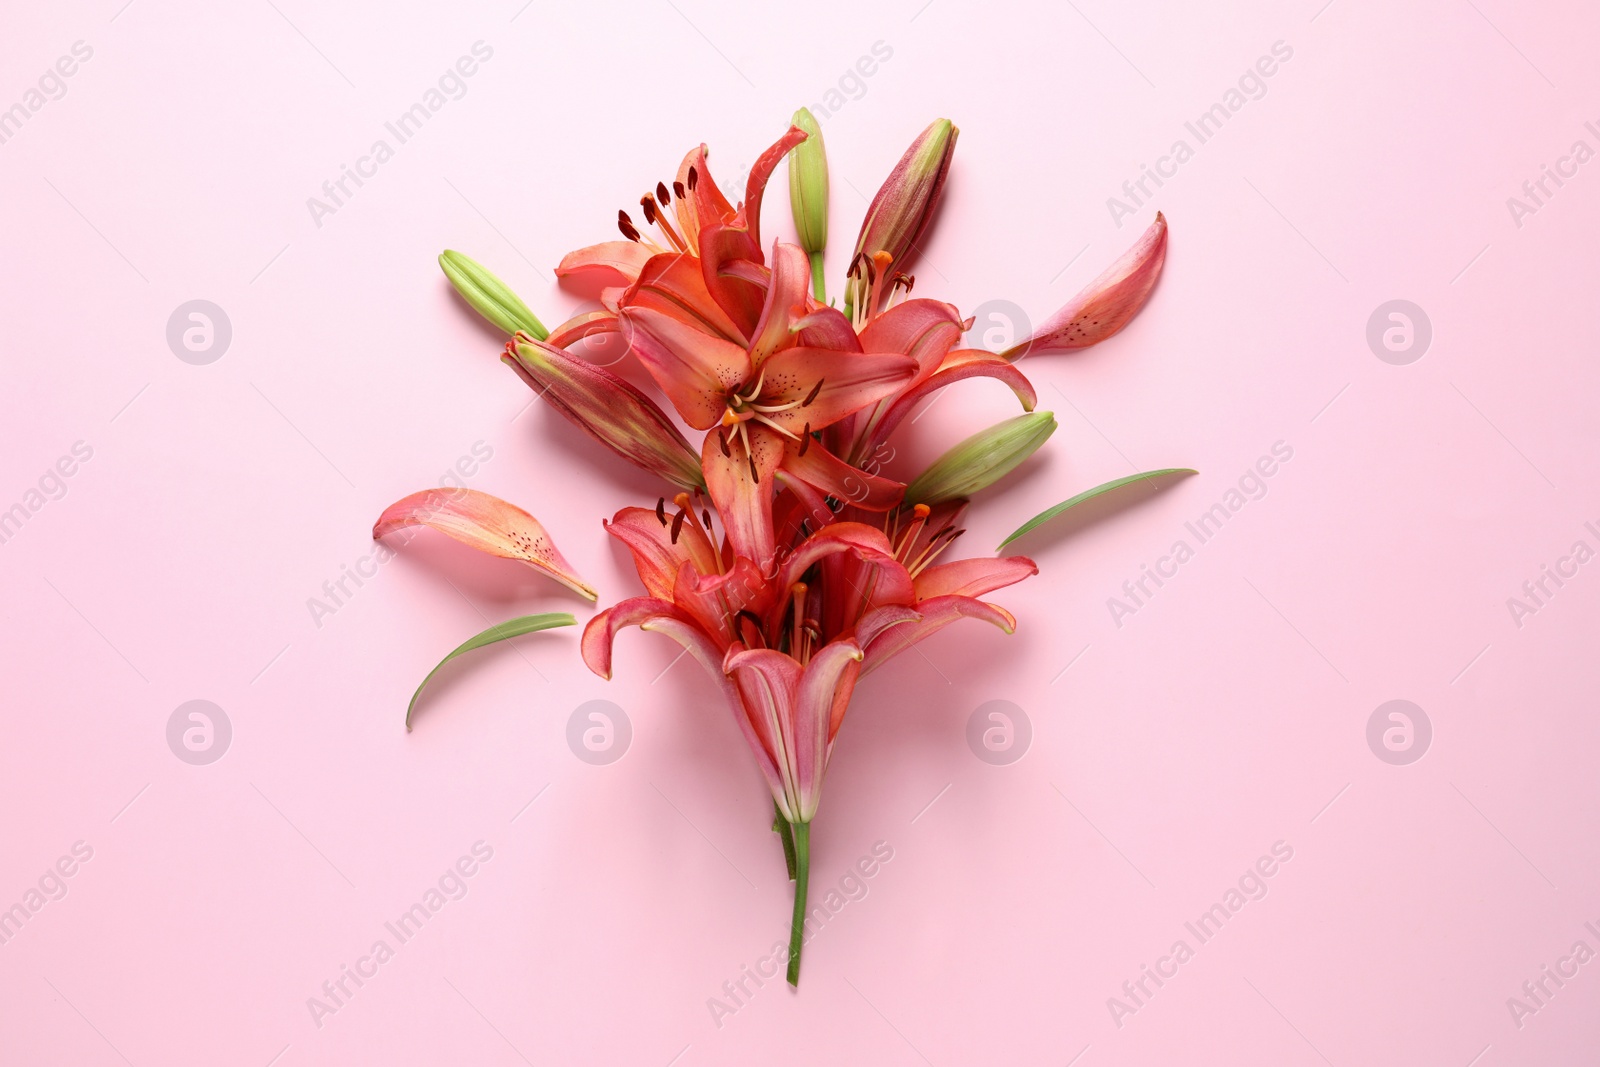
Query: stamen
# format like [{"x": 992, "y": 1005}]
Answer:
[
  {"x": 920, "y": 515},
  {"x": 677, "y": 527},
  {"x": 661, "y": 510},
  {"x": 694, "y": 178},
  {"x": 648, "y": 205},
  {"x": 722, "y": 439},
  {"x": 797, "y": 592},
  {"x": 661, "y": 194},
  {"x": 677, "y": 190},
  {"x": 805, "y": 439},
  {"x": 815, "y": 389},
  {"x": 936, "y": 544}
]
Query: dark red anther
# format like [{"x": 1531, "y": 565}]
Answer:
[
  {"x": 661, "y": 194},
  {"x": 722, "y": 439},
  {"x": 677, "y": 188},
  {"x": 661, "y": 510},
  {"x": 648, "y": 206},
  {"x": 805, "y": 439},
  {"x": 755, "y": 476},
  {"x": 677, "y": 526},
  {"x": 815, "y": 389},
  {"x": 694, "y": 178}
]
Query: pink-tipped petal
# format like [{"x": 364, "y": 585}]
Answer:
[
  {"x": 923, "y": 329},
  {"x": 488, "y": 524},
  {"x": 827, "y": 328},
  {"x": 831, "y": 670},
  {"x": 1107, "y": 304},
  {"x": 580, "y": 326},
  {"x": 609, "y": 262},
  {"x": 973, "y": 577}
]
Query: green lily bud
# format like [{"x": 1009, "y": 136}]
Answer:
[
  {"x": 808, "y": 194},
  {"x": 982, "y": 459},
  {"x": 489, "y": 296}
]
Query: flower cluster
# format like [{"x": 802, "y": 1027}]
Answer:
[{"x": 783, "y": 558}]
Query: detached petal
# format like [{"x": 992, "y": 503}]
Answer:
[
  {"x": 973, "y": 577},
  {"x": 488, "y": 524},
  {"x": 609, "y": 262},
  {"x": 1107, "y": 304},
  {"x": 607, "y": 408}
]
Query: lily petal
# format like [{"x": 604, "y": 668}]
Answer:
[
  {"x": 609, "y": 262},
  {"x": 1106, "y": 304},
  {"x": 959, "y": 364},
  {"x": 760, "y": 171},
  {"x": 586, "y": 324},
  {"x": 848, "y": 382},
  {"x": 824, "y": 693},
  {"x": 786, "y": 301},
  {"x": 973, "y": 577},
  {"x": 695, "y": 369},
  {"x": 656, "y": 555},
  {"x": 744, "y": 496},
  {"x": 936, "y": 615},
  {"x": 822, "y": 469},
  {"x": 607, "y": 408},
  {"x": 768, "y": 682},
  {"x": 488, "y": 524},
  {"x": 704, "y": 203}
]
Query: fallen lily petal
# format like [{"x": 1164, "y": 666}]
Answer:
[
  {"x": 488, "y": 524},
  {"x": 1106, "y": 304},
  {"x": 982, "y": 459},
  {"x": 488, "y": 295},
  {"x": 527, "y": 624},
  {"x": 608, "y": 409},
  {"x": 1088, "y": 494}
]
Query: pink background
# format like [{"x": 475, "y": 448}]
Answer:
[{"x": 1227, "y": 714}]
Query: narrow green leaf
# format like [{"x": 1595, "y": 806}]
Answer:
[
  {"x": 514, "y": 628},
  {"x": 490, "y": 296},
  {"x": 1088, "y": 494}
]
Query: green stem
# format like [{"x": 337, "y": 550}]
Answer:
[
  {"x": 780, "y": 826},
  {"x": 819, "y": 284},
  {"x": 802, "y": 866}
]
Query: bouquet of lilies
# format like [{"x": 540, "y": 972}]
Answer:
[{"x": 780, "y": 554}]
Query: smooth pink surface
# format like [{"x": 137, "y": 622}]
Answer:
[{"x": 1169, "y": 753}]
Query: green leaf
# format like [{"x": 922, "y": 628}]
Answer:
[
  {"x": 490, "y": 296},
  {"x": 514, "y": 628},
  {"x": 1088, "y": 494}
]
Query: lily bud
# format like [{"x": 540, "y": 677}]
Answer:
[
  {"x": 608, "y": 409},
  {"x": 489, "y": 296},
  {"x": 899, "y": 214},
  {"x": 808, "y": 193},
  {"x": 982, "y": 459}
]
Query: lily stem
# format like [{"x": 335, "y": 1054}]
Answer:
[
  {"x": 802, "y": 867},
  {"x": 780, "y": 826},
  {"x": 819, "y": 284}
]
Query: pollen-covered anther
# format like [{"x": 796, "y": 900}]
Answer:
[{"x": 815, "y": 389}]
